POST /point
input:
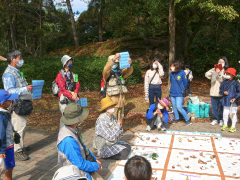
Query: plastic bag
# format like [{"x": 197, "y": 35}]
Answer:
[{"x": 3, "y": 168}]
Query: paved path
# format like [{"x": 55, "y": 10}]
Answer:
[{"x": 43, "y": 154}]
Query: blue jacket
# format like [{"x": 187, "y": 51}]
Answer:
[
  {"x": 3, "y": 127},
  {"x": 182, "y": 81},
  {"x": 70, "y": 148},
  {"x": 151, "y": 110},
  {"x": 233, "y": 92}
]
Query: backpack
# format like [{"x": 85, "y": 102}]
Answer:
[{"x": 55, "y": 88}]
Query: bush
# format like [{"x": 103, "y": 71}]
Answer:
[{"x": 89, "y": 70}]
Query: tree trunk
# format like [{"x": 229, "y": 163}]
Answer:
[
  {"x": 171, "y": 38},
  {"x": 100, "y": 16},
  {"x": 73, "y": 23},
  {"x": 40, "y": 26},
  {"x": 14, "y": 19}
]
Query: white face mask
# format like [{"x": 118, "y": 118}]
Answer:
[
  {"x": 223, "y": 64},
  {"x": 227, "y": 76},
  {"x": 20, "y": 63},
  {"x": 173, "y": 68},
  {"x": 159, "y": 106},
  {"x": 110, "y": 111},
  {"x": 155, "y": 66}
]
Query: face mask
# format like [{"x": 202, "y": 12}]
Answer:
[
  {"x": 115, "y": 68},
  {"x": 155, "y": 66},
  {"x": 110, "y": 111},
  {"x": 223, "y": 64},
  {"x": 159, "y": 106},
  {"x": 20, "y": 63},
  {"x": 227, "y": 76},
  {"x": 173, "y": 68},
  {"x": 70, "y": 65}
]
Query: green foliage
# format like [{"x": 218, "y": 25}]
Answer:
[{"x": 89, "y": 70}]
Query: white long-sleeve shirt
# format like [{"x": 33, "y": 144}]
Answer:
[
  {"x": 156, "y": 80},
  {"x": 190, "y": 75}
]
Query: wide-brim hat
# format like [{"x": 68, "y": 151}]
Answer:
[
  {"x": 65, "y": 59},
  {"x": 106, "y": 102},
  {"x": 111, "y": 57},
  {"x": 4, "y": 96},
  {"x": 73, "y": 114},
  {"x": 163, "y": 102},
  {"x": 231, "y": 71}
]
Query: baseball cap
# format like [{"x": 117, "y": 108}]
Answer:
[
  {"x": 4, "y": 96},
  {"x": 69, "y": 172}
]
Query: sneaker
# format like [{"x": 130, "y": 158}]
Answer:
[
  {"x": 221, "y": 123},
  {"x": 187, "y": 123},
  {"x": 214, "y": 122},
  {"x": 175, "y": 121},
  {"x": 25, "y": 149},
  {"x": 232, "y": 129},
  {"x": 148, "y": 128},
  {"x": 21, "y": 156},
  {"x": 163, "y": 128},
  {"x": 224, "y": 127}
]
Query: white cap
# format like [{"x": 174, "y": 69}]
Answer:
[
  {"x": 65, "y": 59},
  {"x": 70, "y": 172}
]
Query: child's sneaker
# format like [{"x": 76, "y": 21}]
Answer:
[
  {"x": 187, "y": 123},
  {"x": 232, "y": 129},
  {"x": 214, "y": 122},
  {"x": 221, "y": 123},
  {"x": 224, "y": 127},
  {"x": 148, "y": 128}
]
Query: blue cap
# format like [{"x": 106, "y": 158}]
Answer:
[{"x": 4, "y": 96}]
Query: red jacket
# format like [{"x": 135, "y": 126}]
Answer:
[{"x": 62, "y": 85}]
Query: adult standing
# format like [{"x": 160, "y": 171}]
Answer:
[
  {"x": 152, "y": 81},
  {"x": 217, "y": 77},
  {"x": 71, "y": 150},
  {"x": 108, "y": 132},
  {"x": 14, "y": 82},
  {"x": 179, "y": 83},
  {"x": 68, "y": 84},
  {"x": 114, "y": 81}
]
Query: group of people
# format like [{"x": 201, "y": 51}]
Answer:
[{"x": 72, "y": 152}]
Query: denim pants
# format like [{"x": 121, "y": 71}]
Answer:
[
  {"x": 177, "y": 106},
  {"x": 217, "y": 108},
  {"x": 154, "y": 89},
  {"x": 188, "y": 87}
]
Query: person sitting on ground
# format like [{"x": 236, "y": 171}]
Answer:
[
  {"x": 230, "y": 89},
  {"x": 6, "y": 132},
  {"x": 138, "y": 168},
  {"x": 189, "y": 76},
  {"x": 71, "y": 150},
  {"x": 70, "y": 172},
  {"x": 108, "y": 132},
  {"x": 217, "y": 77},
  {"x": 157, "y": 115}
]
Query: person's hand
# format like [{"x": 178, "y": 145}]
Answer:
[
  {"x": 233, "y": 100},
  {"x": 117, "y": 55},
  {"x": 119, "y": 121},
  {"x": 77, "y": 98},
  {"x": 99, "y": 163},
  {"x": 157, "y": 111},
  {"x": 74, "y": 96},
  {"x": 218, "y": 71},
  {"x": 3, "y": 156},
  {"x": 130, "y": 61},
  {"x": 29, "y": 88},
  {"x": 225, "y": 93}
]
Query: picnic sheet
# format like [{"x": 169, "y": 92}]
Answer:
[{"x": 186, "y": 157}]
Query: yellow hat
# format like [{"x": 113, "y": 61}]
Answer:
[
  {"x": 106, "y": 102},
  {"x": 111, "y": 57}
]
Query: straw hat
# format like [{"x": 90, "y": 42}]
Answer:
[
  {"x": 106, "y": 102},
  {"x": 73, "y": 114},
  {"x": 111, "y": 57}
]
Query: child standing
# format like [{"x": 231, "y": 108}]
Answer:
[
  {"x": 230, "y": 89},
  {"x": 157, "y": 115},
  {"x": 189, "y": 77},
  {"x": 6, "y": 132}
]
